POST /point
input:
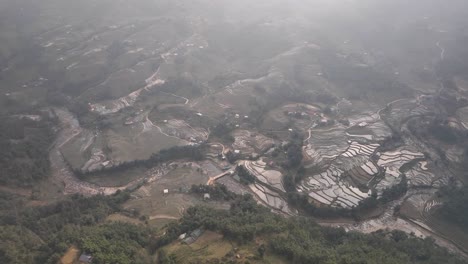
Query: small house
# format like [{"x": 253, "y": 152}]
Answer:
[
  {"x": 166, "y": 191},
  {"x": 189, "y": 239},
  {"x": 85, "y": 258},
  {"x": 206, "y": 196},
  {"x": 323, "y": 122}
]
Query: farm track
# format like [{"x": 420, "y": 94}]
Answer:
[{"x": 163, "y": 216}]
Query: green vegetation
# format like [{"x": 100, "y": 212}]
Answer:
[
  {"x": 438, "y": 128},
  {"x": 194, "y": 152},
  {"x": 144, "y": 77},
  {"x": 217, "y": 192},
  {"x": 24, "y": 144},
  {"x": 294, "y": 150},
  {"x": 223, "y": 130},
  {"x": 43, "y": 234},
  {"x": 245, "y": 177},
  {"x": 455, "y": 207},
  {"x": 300, "y": 240},
  {"x": 114, "y": 243},
  {"x": 395, "y": 192}
]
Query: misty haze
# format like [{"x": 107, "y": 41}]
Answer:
[{"x": 216, "y": 131}]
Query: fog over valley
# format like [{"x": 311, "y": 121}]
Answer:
[{"x": 201, "y": 131}]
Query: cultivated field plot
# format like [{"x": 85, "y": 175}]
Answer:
[
  {"x": 399, "y": 111},
  {"x": 114, "y": 106},
  {"x": 393, "y": 160},
  {"x": 84, "y": 151},
  {"x": 249, "y": 142},
  {"x": 300, "y": 115},
  {"x": 355, "y": 169},
  {"x": 418, "y": 206},
  {"x": 324, "y": 145},
  {"x": 421, "y": 209},
  {"x": 462, "y": 114},
  {"x": 330, "y": 188},
  {"x": 272, "y": 178},
  {"x": 367, "y": 128},
  {"x": 422, "y": 175},
  {"x": 270, "y": 198},
  {"x": 122, "y": 143},
  {"x": 182, "y": 130},
  {"x": 242, "y": 96},
  {"x": 152, "y": 201},
  {"x": 269, "y": 186}
]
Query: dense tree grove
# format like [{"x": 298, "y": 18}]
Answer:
[
  {"x": 395, "y": 191},
  {"x": 223, "y": 130},
  {"x": 294, "y": 150},
  {"x": 24, "y": 145},
  {"x": 216, "y": 192},
  {"x": 245, "y": 176},
  {"x": 43, "y": 234},
  {"x": 114, "y": 242}
]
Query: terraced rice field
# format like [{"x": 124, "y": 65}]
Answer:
[
  {"x": 421, "y": 175},
  {"x": 269, "y": 186},
  {"x": 331, "y": 188},
  {"x": 271, "y": 178},
  {"x": 399, "y": 111},
  {"x": 364, "y": 174},
  {"x": 324, "y": 145},
  {"x": 392, "y": 161},
  {"x": 336, "y": 195},
  {"x": 367, "y": 128},
  {"x": 270, "y": 198},
  {"x": 419, "y": 206},
  {"x": 359, "y": 165}
]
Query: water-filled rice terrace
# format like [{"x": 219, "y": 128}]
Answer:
[
  {"x": 344, "y": 165},
  {"x": 269, "y": 185}
]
